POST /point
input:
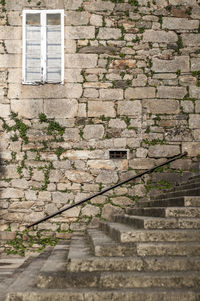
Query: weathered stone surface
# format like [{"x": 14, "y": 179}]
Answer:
[
  {"x": 101, "y": 164},
  {"x": 157, "y": 106},
  {"x": 192, "y": 148},
  {"x": 61, "y": 108},
  {"x": 11, "y": 193},
  {"x": 99, "y": 49},
  {"x": 140, "y": 81},
  {"x": 181, "y": 63},
  {"x": 171, "y": 92},
  {"x": 76, "y": 18},
  {"x": 117, "y": 123},
  {"x": 99, "y": 6},
  {"x": 4, "y": 110},
  {"x": 73, "y": 76},
  {"x": 70, "y": 90},
  {"x": 109, "y": 33},
  {"x": 78, "y": 176},
  {"x": 10, "y": 60},
  {"x": 13, "y": 46},
  {"x": 10, "y": 33},
  {"x": 145, "y": 163},
  {"x": 62, "y": 197},
  {"x": 50, "y": 209},
  {"x": 179, "y": 23},
  {"x": 74, "y": 212},
  {"x": 90, "y": 210},
  {"x": 158, "y": 151},
  {"x": 44, "y": 196},
  {"x": 197, "y": 106},
  {"x": 129, "y": 108},
  {"x": 91, "y": 93},
  {"x": 73, "y": 4},
  {"x": 182, "y": 2},
  {"x": 99, "y": 108},
  {"x": 194, "y": 121},
  {"x": 28, "y": 108},
  {"x": 107, "y": 177},
  {"x": 20, "y": 183},
  {"x": 81, "y": 60},
  {"x": 194, "y": 92},
  {"x": 195, "y": 64},
  {"x": 79, "y": 32},
  {"x": 111, "y": 94},
  {"x": 140, "y": 93},
  {"x": 109, "y": 210},
  {"x": 156, "y": 36},
  {"x": 93, "y": 132},
  {"x": 96, "y": 20},
  {"x": 191, "y": 39}
]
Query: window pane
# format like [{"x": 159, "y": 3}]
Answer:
[
  {"x": 53, "y": 19},
  {"x": 33, "y": 19}
]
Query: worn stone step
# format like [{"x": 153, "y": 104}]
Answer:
[
  {"x": 146, "y": 222},
  {"x": 185, "y": 186},
  {"x": 147, "y": 294},
  {"x": 81, "y": 260},
  {"x": 103, "y": 245},
  {"x": 187, "y": 201},
  {"x": 126, "y": 234},
  {"x": 184, "y": 192},
  {"x": 168, "y": 249},
  {"x": 112, "y": 280},
  {"x": 193, "y": 212}
]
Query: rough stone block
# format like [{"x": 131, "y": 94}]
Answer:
[
  {"x": 81, "y": 60},
  {"x": 117, "y": 123},
  {"x": 195, "y": 92},
  {"x": 191, "y": 39},
  {"x": 195, "y": 12},
  {"x": 158, "y": 151},
  {"x": 14, "y": 18},
  {"x": 140, "y": 93},
  {"x": 4, "y": 110},
  {"x": 11, "y": 193},
  {"x": 194, "y": 121},
  {"x": 109, "y": 33},
  {"x": 60, "y": 108},
  {"x": 197, "y": 106},
  {"x": 91, "y": 93},
  {"x": 70, "y": 90},
  {"x": 20, "y": 183},
  {"x": 73, "y": 76},
  {"x": 171, "y": 92},
  {"x": 157, "y": 36},
  {"x": 195, "y": 64},
  {"x": 28, "y": 108},
  {"x": 111, "y": 94},
  {"x": 10, "y": 61},
  {"x": 76, "y": 18},
  {"x": 96, "y": 20},
  {"x": 79, "y": 32},
  {"x": 107, "y": 177},
  {"x": 99, "y": 108},
  {"x": 192, "y": 148},
  {"x": 93, "y": 132},
  {"x": 70, "y": 46},
  {"x": 101, "y": 164},
  {"x": 177, "y": 63},
  {"x": 13, "y": 46},
  {"x": 182, "y": 2},
  {"x": 129, "y": 108},
  {"x": 179, "y": 23},
  {"x": 98, "y": 6},
  {"x": 166, "y": 106},
  {"x": 90, "y": 210},
  {"x": 73, "y": 4},
  {"x": 10, "y": 33},
  {"x": 78, "y": 176}
]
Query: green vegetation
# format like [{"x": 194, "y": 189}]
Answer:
[
  {"x": 197, "y": 75},
  {"x": 24, "y": 241}
]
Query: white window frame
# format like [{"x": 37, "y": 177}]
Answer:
[{"x": 43, "y": 19}]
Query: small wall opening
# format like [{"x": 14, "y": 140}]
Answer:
[{"x": 118, "y": 154}]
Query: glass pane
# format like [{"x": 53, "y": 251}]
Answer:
[
  {"x": 33, "y": 19},
  {"x": 53, "y": 19}
]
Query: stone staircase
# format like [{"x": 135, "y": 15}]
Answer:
[{"x": 151, "y": 253}]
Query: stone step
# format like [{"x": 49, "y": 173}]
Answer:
[
  {"x": 183, "y": 186},
  {"x": 103, "y": 245},
  {"x": 146, "y": 222},
  {"x": 192, "y": 212},
  {"x": 187, "y": 201},
  {"x": 81, "y": 260},
  {"x": 168, "y": 249},
  {"x": 153, "y": 294},
  {"x": 116, "y": 280},
  {"x": 126, "y": 234},
  {"x": 184, "y": 192}
]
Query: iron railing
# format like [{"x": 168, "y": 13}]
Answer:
[{"x": 108, "y": 189}]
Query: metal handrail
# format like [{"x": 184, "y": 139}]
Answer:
[{"x": 108, "y": 189}]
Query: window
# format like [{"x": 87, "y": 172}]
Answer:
[{"x": 43, "y": 46}]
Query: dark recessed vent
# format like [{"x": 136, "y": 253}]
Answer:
[{"x": 118, "y": 154}]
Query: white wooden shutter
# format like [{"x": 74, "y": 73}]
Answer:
[
  {"x": 33, "y": 48},
  {"x": 53, "y": 48}
]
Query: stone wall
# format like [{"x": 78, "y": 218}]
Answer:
[{"x": 132, "y": 82}]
